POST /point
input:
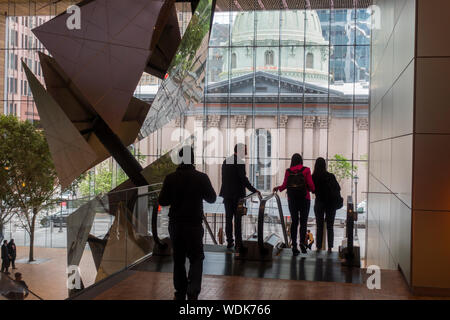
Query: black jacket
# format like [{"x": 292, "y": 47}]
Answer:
[
  {"x": 234, "y": 179},
  {"x": 12, "y": 251},
  {"x": 184, "y": 190},
  {"x": 5, "y": 253},
  {"x": 322, "y": 183}
]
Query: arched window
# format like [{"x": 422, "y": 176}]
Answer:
[
  {"x": 310, "y": 60},
  {"x": 233, "y": 61},
  {"x": 268, "y": 58}
]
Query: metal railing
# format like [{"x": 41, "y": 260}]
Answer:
[{"x": 261, "y": 213}]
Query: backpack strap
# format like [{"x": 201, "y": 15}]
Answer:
[{"x": 302, "y": 169}]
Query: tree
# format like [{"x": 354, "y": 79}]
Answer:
[
  {"x": 105, "y": 177},
  {"x": 342, "y": 168},
  {"x": 30, "y": 183},
  {"x": 6, "y": 212},
  {"x": 104, "y": 181}
]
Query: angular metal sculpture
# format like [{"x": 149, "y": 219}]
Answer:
[
  {"x": 71, "y": 153},
  {"x": 82, "y": 115},
  {"x": 184, "y": 85},
  {"x": 79, "y": 224},
  {"x": 164, "y": 51},
  {"x": 97, "y": 247},
  {"x": 124, "y": 245},
  {"x": 106, "y": 57},
  {"x": 88, "y": 111}
]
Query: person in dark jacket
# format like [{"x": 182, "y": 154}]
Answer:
[
  {"x": 298, "y": 206},
  {"x": 324, "y": 209},
  {"x": 12, "y": 252},
  {"x": 234, "y": 182},
  {"x": 5, "y": 257},
  {"x": 184, "y": 191}
]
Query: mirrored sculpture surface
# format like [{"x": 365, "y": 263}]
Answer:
[
  {"x": 184, "y": 84},
  {"x": 105, "y": 58},
  {"x": 79, "y": 225},
  {"x": 70, "y": 151}
]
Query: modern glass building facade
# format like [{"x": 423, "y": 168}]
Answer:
[{"x": 282, "y": 81}]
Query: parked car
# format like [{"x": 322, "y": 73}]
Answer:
[{"x": 59, "y": 220}]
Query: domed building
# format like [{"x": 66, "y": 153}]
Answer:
[
  {"x": 284, "y": 33},
  {"x": 275, "y": 81}
]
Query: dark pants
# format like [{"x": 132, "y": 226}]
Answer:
[
  {"x": 322, "y": 214},
  {"x": 5, "y": 265},
  {"x": 187, "y": 241},
  {"x": 230, "y": 213},
  {"x": 13, "y": 262},
  {"x": 299, "y": 209}
]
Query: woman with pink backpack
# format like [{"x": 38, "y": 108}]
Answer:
[{"x": 298, "y": 182}]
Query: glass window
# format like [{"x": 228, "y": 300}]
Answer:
[
  {"x": 310, "y": 60},
  {"x": 268, "y": 58}
]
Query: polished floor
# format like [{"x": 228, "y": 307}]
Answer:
[
  {"x": 322, "y": 266},
  {"x": 314, "y": 276},
  {"x": 142, "y": 285}
]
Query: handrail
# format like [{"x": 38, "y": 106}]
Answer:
[
  {"x": 262, "y": 209},
  {"x": 155, "y": 225},
  {"x": 251, "y": 195},
  {"x": 134, "y": 188}
]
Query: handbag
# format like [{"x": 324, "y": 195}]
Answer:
[{"x": 242, "y": 208}]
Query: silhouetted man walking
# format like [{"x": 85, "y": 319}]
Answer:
[
  {"x": 234, "y": 182},
  {"x": 185, "y": 190},
  {"x": 5, "y": 257}
]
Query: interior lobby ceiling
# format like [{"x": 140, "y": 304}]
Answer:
[
  {"x": 250, "y": 5},
  {"x": 44, "y": 7}
]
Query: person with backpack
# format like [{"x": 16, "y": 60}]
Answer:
[
  {"x": 328, "y": 200},
  {"x": 299, "y": 183}
]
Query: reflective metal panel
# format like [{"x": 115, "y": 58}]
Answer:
[{"x": 184, "y": 83}]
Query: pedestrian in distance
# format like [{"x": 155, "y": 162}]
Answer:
[
  {"x": 5, "y": 257},
  {"x": 12, "y": 253}
]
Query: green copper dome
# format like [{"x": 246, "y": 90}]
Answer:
[{"x": 292, "y": 23}]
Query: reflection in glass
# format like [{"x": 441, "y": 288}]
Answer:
[{"x": 183, "y": 86}]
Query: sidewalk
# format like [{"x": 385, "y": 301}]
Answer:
[{"x": 46, "y": 277}]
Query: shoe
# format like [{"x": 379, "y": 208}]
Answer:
[
  {"x": 295, "y": 252},
  {"x": 330, "y": 250},
  {"x": 230, "y": 245},
  {"x": 179, "y": 296},
  {"x": 192, "y": 297},
  {"x": 242, "y": 250},
  {"x": 303, "y": 248}
]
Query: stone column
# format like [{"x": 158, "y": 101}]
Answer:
[
  {"x": 282, "y": 150},
  {"x": 199, "y": 140},
  {"x": 308, "y": 140},
  {"x": 238, "y": 136},
  {"x": 213, "y": 147},
  {"x": 323, "y": 123}
]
